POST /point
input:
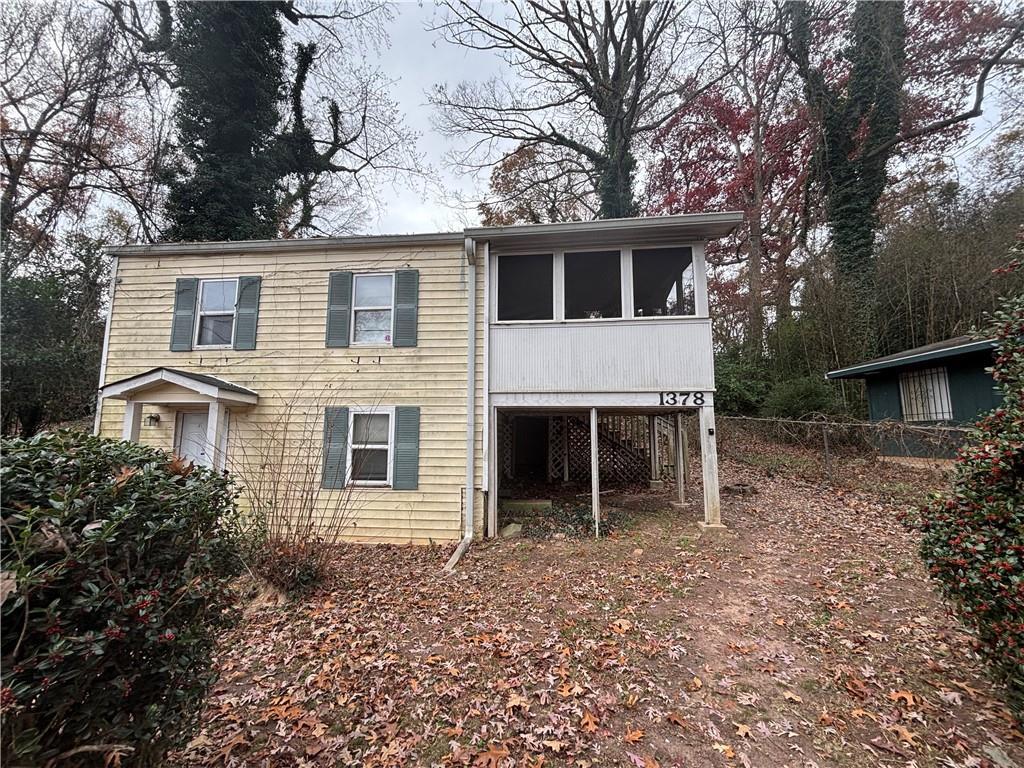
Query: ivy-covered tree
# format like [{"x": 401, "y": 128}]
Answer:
[
  {"x": 229, "y": 59},
  {"x": 973, "y": 540},
  {"x": 856, "y": 95}
]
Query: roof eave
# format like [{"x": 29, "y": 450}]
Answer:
[
  {"x": 696, "y": 225},
  {"x": 263, "y": 246},
  {"x": 859, "y": 371}
]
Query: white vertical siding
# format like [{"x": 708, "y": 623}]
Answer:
[{"x": 602, "y": 356}]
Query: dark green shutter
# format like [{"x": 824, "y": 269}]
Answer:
[
  {"x": 339, "y": 309},
  {"x": 407, "y": 299},
  {"x": 335, "y": 446},
  {"x": 183, "y": 322},
  {"x": 247, "y": 310},
  {"x": 406, "y": 468}
]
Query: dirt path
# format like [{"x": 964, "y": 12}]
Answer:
[{"x": 807, "y": 636}]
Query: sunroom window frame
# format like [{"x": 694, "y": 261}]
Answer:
[
  {"x": 389, "y": 411},
  {"x": 697, "y": 263},
  {"x": 355, "y": 308},
  {"x": 200, "y": 314}
]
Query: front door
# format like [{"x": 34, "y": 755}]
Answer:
[{"x": 192, "y": 438}]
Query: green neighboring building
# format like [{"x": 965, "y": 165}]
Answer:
[{"x": 935, "y": 389}]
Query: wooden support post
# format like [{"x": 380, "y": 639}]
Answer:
[
  {"x": 681, "y": 462},
  {"x": 709, "y": 463},
  {"x": 132, "y": 421},
  {"x": 652, "y": 448},
  {"x": 565, "y": 449},
  {"x": 687, "y": 480},
  {"x": 216, "y": 434},
  {"x": 595, "y": 472}
]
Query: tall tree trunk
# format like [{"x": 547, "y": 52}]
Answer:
[
  {"x": 755, "y": 290},
  {"x": 615, "y": 182}
]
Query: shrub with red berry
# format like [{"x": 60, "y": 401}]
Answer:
[
  {"x": 973, "y": 540},
  {"x": 113, "y": 586}
]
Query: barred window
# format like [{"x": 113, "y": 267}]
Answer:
[{"x": 924, "y": 395}]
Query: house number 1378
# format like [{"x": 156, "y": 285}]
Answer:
[{"x": 682, "y": 398}]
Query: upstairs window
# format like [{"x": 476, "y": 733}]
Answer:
[
  {"x": 372, "y": 301},
  {"x": 371, "y": 448},
  {"x": 663, "y": 282},
  {"x": 525, "y": 287},
  {"x": 215, "y": 326},
  {"x": 593, "y": 285},
  {"x": 924, "y": 395}
]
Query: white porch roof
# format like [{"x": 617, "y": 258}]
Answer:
[{"x": 152, "y": 386}]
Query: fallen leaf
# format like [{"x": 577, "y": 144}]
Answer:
[
  {"x": 620, "y": 626},
  {"x": 696, "y": 684},
  {"x": 554, "y": 745},
  {"x": 904, "y": 734},
  {"x": 180, "y": 466},
  {"x": 905, "y": 696},
  {"x": 858, "y": 713},
  {"x": 742, "y": 730},
  {"x": 588, "y": 722},
  {"x": 122, "y": 477},
  {"x": 790, "y": 696},
  {"x": 728, "y": 752},
  {"x": 676, "y": 719},
  {"x": 780, "y": 622},
  {"x": 633, "y": 736},
  {"x": 492, "y": 757}
]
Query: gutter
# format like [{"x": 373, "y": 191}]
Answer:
[
  {"x": 467, "y": 531},
  {"x": 106, "y": 347}
]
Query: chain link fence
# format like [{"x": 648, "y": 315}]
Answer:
[{"x": 825, "y": 448}]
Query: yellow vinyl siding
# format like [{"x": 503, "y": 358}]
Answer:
[{"x": 291, "y": 363}]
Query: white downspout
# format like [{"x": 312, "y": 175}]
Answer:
[{"x": 467, "y": 533}]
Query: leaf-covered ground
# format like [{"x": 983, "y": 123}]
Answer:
[{"x": 807, "y": 636}]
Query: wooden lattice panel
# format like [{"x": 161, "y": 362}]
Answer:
[
  {"x": 556, "y": 448},
  {"x": 617, "y": 462},
  {"x": 505, "y": 437}
]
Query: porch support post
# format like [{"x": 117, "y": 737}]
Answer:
[
  {"x": 681, "y": 468},
  {"x": 132, "y": 421},
  {"x": 595, "y": 479},
  {"x": 709, "y": 463},
  {"x": 652, "y": 449},
  {"x": 565, "y": 449},
  {"x": 216, "y": 431},
  {"x": 683, "y": 418}
]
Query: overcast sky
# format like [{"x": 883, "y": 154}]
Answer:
[{"x": 417, "y": 60}]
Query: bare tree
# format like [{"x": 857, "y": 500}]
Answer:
[
  {"x": 588, "y": 79},
  {"x": 75, "y": 129}
]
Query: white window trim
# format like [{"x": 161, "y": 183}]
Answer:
[
  {"x": 625, "y": 284},
  {"x": 696, "y": 289},
  {"x": 938, "y": 401},
  {"x": 200, "y": 314},
  {"x": 391, "y": 309},
  {"x": 389, "y": 411}
]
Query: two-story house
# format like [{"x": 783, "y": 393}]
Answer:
[{"x": 393, "y": 366}]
